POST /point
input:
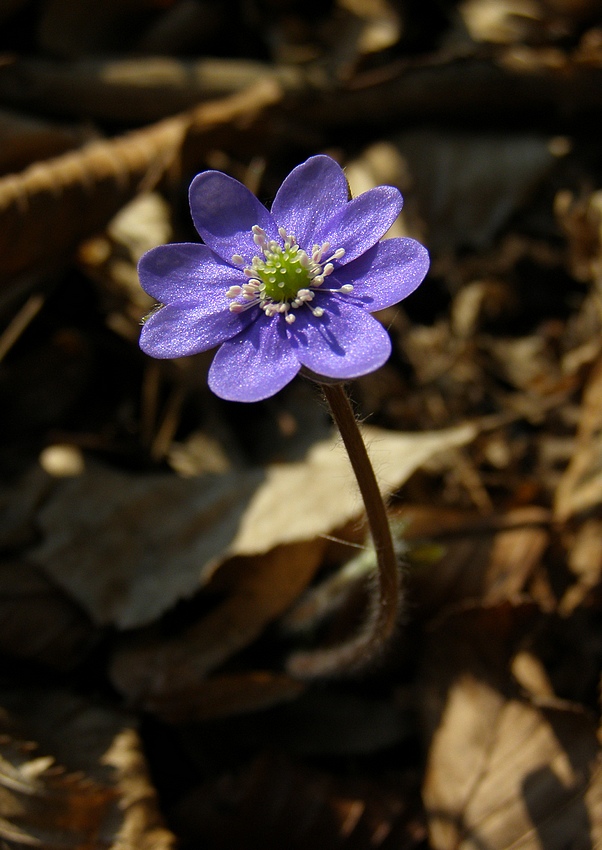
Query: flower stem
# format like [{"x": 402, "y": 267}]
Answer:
[{"x": 381, "y": 621}]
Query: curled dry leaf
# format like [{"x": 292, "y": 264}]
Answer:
[
  {"x": 127, "y": 546},
  {"x": 46, "y": 210},
  {"x": 84, "y": 783}
]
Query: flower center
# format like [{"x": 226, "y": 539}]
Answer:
[
  {"x": 283, "y": 277},
  {"x": 283, "y": 272}
]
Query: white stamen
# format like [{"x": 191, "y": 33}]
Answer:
[
  {"x": 260, "y": 237},
  {"x": 275, "y": 263}
]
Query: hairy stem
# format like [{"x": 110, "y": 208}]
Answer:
[{"x": 385, "y": 596}]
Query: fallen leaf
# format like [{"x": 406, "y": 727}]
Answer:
[
  {"x": 126, "y": 547},
  {"x": 503, "y": 773},
  {"x": 323, "y": 491},
  {"x": 166, "y": 676},
  {"x": 46, "y": 210}
]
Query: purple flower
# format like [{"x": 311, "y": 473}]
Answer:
[{"x": 282, "y": 289}]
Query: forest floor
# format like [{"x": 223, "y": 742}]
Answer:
[{"x": 164, "y": 553}]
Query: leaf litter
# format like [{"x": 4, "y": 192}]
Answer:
[{"x": 164, "y": 554}]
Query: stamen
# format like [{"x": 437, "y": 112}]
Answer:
[
  {"x": 260, "y": 237},
  {"x": 271, "y": 275}
]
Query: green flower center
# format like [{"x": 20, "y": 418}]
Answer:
[
  {"x": 284, "y": 277},
  {"x": 283, "y": 273}
]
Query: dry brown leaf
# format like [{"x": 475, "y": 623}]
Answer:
[
  {"x": 127, "y": 546},
  {"x": 323, "y": 491},
  {"x": 503, "y": 773},
  {"x": 580, "y": 488},
  {"x": 84, "y": 783},
  {"x": 166, "y": 675},
  {"x": 46, "y": 210}
]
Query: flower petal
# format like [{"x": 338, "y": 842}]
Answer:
[
  {"x": 309, "y": 197},
  {"x": 384, "y": 275},
  {"x": 187, "y": 272},
  {"x": 361, "y": 222},
  {"x": 345, "y": 342},
  {"x": 178, "y": 331},
  {"x": 255, "y": 364},
  {"x": 224, "y": 211}
]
